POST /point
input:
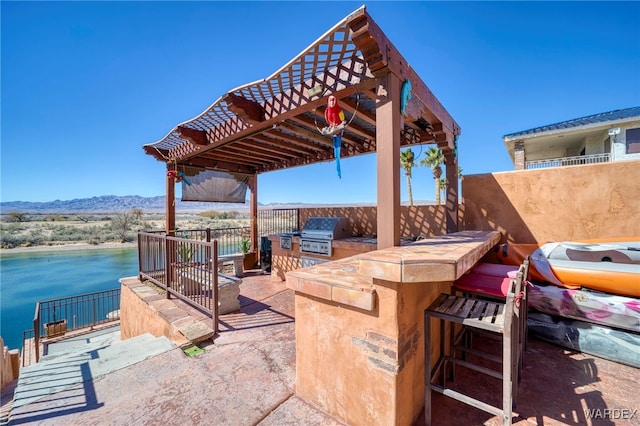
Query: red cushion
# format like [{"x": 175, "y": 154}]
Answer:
[
  {"x": 495, "y": 270},
  {"x": 484, "y": 284}
]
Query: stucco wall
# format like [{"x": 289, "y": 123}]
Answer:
[
  {"x": 555, "y": 204},
  {"x": 138, "y": 316},
  {"x": 383, "y": 381},
  {"x": 9, "y": 364},
  {"x": 427, "y": 220}
]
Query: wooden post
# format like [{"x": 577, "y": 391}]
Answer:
[
  {"x": 388, "y": 126},
  {"x": 253, "y": 212},
  {"x": 451, "y": 172},
  {"x": 170, "y": 203}
]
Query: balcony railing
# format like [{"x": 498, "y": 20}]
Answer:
[
  {"x": 568, "y": 161},
  {"x": 56, "y": 317}
]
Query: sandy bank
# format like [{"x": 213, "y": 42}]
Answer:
[{"x": 67, "y": 247}]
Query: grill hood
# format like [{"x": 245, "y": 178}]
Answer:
[{"x": 327, "y": 228}]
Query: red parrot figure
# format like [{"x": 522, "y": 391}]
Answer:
[
  {"x": 333, "y": 114},
  {"x": 335, "y": 126}
]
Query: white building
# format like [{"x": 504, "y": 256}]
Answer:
[{"x": 598, "y": 138}]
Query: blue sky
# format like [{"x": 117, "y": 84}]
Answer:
[{"x": 86, "y": 84}]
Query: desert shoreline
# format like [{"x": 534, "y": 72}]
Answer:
[{"x": 67, "y": 247}]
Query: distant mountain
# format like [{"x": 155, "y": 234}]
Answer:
[{"x": 113, "y": 203}]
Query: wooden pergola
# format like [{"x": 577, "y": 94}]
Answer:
[{"x": 275, "y": 123}]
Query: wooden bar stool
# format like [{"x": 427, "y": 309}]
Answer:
[
  {"x": 502, "y": 319},
  {"x": 492, "y": 281}
]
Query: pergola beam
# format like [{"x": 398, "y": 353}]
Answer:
[
  {"x": 196, "y": 137},
  {"x": 250, "y": 111},
  {"x": 220, "y": 137},
  {"x": 382, "y": 57}
]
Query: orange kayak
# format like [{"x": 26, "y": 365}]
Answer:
[{"x": 611, "y": 266}]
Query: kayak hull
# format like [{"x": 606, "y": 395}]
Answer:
[
  {"x": 585, "y": 305},
  {"x": 605, "y": 342},
  {"x": 611, "y": 266}
]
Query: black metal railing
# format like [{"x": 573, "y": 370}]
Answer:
[
  {"x": 56, "y": 317},
  {"x": 184, "y": 268}
]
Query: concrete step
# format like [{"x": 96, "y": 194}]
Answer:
[
  {"x": 79, "y": 363},
  {"x": 82, "y": 343}
]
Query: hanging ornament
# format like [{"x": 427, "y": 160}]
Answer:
[
  {"x": 178, "y": 176},
  {"x": 405, "y": 96},
  {"x": 335, "y": 127}
]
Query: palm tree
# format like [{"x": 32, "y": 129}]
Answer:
[
  {"x": 407, "y": 161},
  {"x": 433, "y": 159},
  {"x": 443, "y": 187}
]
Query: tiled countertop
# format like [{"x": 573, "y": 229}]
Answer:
[
  {"x": 338, "y": 281},
  {"x": 443, "y": 258},
  {"x": 350, "y": 281}
]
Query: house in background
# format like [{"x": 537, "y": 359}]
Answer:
[{"x": 598, "y": 138}]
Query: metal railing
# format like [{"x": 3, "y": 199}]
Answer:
[
  {"x": 568, "y": 161},
  {"x": 277, "y": 221},
  {"x": 186, "y": 265},
  {"x": 183, "y": 268},
  {"x": 229, "y": 239},
  {"x": 30, "y": 352},
  {"x": 56, "y": 317}
]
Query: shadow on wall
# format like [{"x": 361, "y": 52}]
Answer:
[
  {"x": 488, "y": 207},
  {"x": 425, "y": 220}
]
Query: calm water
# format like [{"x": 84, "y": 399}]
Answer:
[{"x": 26, "y": 278}]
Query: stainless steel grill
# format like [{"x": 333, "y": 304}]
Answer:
[{"x": 318, "y": 233}]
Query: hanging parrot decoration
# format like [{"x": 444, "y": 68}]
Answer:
[
  {"x": 179, "y": 176},
  {"x": 335, "y": 126}
]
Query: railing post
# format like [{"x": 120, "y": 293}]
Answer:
[
  {"x": 214, "y": 280},
  {"x": 36, "y": 331},
  {"x": 140, "y": 257},
  {"x": 95, "y": 309},
  {"x": 167, "y": 265},
  {"x": 207, "y": 253}
]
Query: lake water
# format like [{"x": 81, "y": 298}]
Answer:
[{"x": 26, "y": 278}]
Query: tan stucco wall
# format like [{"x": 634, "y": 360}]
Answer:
[
  {"x": 138, "y": 316},
  {"x": 556, "y": 204},
  {"x": 383, "y": 382},
  {"x": 427, "y": 220},
  {"x": 283, "y": 261},
  {"x": 9, "y": 364}
]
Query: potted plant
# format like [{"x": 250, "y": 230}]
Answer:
[
  {"x": 249, "y": 260},
  {"x": 184, "y": 253},
  {"x": 245, "y": 245},
  {"x": 56, "y": 327}
]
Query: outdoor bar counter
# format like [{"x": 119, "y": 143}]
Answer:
[
  {"x": 359, "y": 325},
  {"x": 284, "y": 260}
]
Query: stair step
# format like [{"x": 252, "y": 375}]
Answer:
[
  {"x": 58, "y": 371},
  {"x": 84, "y": 343}
]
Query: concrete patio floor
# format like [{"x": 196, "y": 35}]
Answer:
[{"x": 248, "y": 377}]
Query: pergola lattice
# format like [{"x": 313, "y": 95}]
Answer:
[{"x": 275, "y": 123}]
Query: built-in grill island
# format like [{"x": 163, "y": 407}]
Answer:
[
  {"x": 321, "y": 239},
  {"x": 318, "y": 233}
]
